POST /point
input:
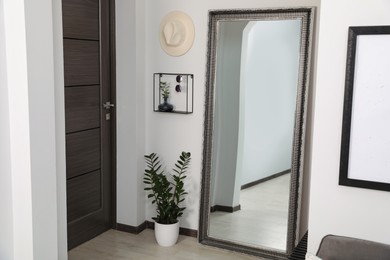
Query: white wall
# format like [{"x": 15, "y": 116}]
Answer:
[
  {"x": 337, "y": 209},
  {"x": 19, "y": 129},
  {"x": 30, "y": 129},
  {"x": 270, "y": 63},
  {"x": 169, "y": 134}
]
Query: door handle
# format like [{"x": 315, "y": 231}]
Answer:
[{"x": 108, "y": 105}]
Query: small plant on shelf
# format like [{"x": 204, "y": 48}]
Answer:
[
  {"x": 165, "y": 106},
  {"x": 164, "y": 86}
]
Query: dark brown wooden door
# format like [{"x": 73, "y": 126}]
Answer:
[{"x": 86, "y": 30}]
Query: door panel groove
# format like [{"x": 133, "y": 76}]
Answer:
[
  {"x": 71, "y": 178},
  {"x": 81, "y": 39},
  {"x": 84, "y": 130},
  {"x": 84, "y": 85}
]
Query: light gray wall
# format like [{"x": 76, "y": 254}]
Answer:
[
  {"x": 6, "y": 216},
  {"x": 60, "y": 130},
  {"x": 42, "y": 133},
  {"x": 130, "y": 109},
  {"x": 269, "y": 77},
  {"x": 226, "y": 183},
  {"x": 31, "y": 128}
]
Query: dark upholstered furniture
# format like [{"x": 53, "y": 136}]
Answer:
[{"x": 345, "y": 248}]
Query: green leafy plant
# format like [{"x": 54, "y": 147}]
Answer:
[
  {"x": 166, "y": 194},
  {"x": 164, "y": 86}
]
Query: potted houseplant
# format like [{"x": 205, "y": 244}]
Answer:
[
  {"x": 165, "y": 106},
  {"x": 167, "y": 194}
]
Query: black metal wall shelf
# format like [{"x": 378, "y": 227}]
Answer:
[{"x": 173, "y": 93}]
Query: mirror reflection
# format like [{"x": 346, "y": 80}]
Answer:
[
  {"x": 255, "y": 118},
  {"x": 256, "y": 86}
]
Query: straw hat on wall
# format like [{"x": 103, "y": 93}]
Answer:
[{"x": 177, "y": 33}]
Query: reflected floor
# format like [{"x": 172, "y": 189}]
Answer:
[{"x": 262, "y": 220}]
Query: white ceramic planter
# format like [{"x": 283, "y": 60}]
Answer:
[{"x": 166, "y": 235}]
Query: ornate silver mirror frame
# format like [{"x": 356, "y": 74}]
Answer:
[{"x": 305, "y": 15}]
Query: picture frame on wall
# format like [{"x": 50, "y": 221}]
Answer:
[{"x": 365, "y": 141}]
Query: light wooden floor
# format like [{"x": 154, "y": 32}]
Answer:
[
  {"x": 116, "y": 245},
  {"x": 262, "y": 219}
]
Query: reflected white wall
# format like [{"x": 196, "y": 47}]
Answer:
[
  {"x": 269, "y": 78},
  {"x": 226, "y": 192}
]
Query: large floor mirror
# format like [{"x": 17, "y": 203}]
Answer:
[{"x": 255, "y": 119}]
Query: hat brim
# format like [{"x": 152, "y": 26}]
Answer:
[{"x": 187, "y": 35}]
